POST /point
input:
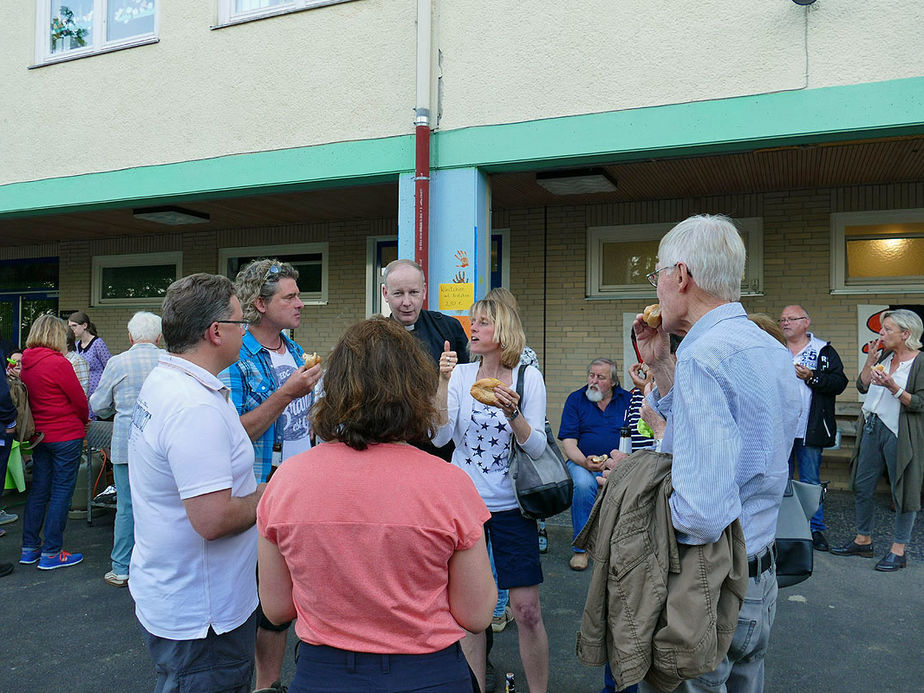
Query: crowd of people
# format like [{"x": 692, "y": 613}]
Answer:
[{"x": 257, "y": 489}]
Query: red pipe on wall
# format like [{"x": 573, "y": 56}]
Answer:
[{"x": 422, "y": 198}]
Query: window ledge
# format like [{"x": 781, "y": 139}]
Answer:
[
  {"x": 274, "y": 13},
  {"x": 67, "y": 57},
  {"x": 879, "y": 290}
]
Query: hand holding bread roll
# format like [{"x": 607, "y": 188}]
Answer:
[
  {"x": 483, "y": 391},
  {"x": 652, "y": 315}
]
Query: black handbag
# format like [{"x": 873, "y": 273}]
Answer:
[
  {"x": 794, "y": 551},
  {"x": 543, "y": 486}
]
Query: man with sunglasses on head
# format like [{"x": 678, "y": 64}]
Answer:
[
  {"x": 822, "y": 379},
  {"x": 273, "y": 393}
]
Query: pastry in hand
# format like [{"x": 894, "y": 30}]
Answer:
[
  {"x": 652, "y": 315},
  {"x": 879, "y": 367},
  {"x": 598, "y": 459},
  {"x": 483, "y": 391},
  {"x": 311, "y": 360}
]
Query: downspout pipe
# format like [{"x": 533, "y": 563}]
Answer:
[{"x": 422, "y": 139}]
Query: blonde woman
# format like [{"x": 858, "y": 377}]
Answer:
[
  {"x": 482, "y": 436},
  {"x": 59, "y": 407}
]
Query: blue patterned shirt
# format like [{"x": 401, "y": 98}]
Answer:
[
  {"x": 251, "y": 381},
  {"x": 731, "y": 419}
]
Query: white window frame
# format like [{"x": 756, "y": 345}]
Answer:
[
  {"x": 310, "y": 298},
  {"x": 228, "y": 17},
  {"x": 894, "y": 285},
  {"x": 44, "y": 56},
  {"x": 750, "y": 227},
  {"x": 101, "y": 262}
]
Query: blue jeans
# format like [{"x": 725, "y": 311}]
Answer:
[
  {"x": 123, "y": 530},
  {"x": 609, "y": 683},
  {"x": 878, "y": 452},
  {"x": 54, "y": 474},
  {"x": 503, "y": 596},
  {"x": 585, "y": 493},
  {"x": 809, "y": 460},
  {"x": 742, "y": 669}
]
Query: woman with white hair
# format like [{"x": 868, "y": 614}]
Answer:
[{"x": 892, "y": 435}]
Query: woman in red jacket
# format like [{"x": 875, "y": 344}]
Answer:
[{"x": 59, "y": 407}]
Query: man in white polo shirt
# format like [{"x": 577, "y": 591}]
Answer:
[{"x": 195, "y": 499}]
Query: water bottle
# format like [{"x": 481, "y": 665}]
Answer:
[
  {"x": 511, "y": 685},
  {"x": 543, "y": 538},
  {"x": 625, "y": 440}
]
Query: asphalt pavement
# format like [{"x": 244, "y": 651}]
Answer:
[{"x": 847, "y": 628}]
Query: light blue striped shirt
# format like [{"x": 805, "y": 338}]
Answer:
[
  {"x": 118, "y": 390},
  {"x": 731, "y": 419}
]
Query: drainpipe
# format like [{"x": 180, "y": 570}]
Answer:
[{"x": 422, "y": 140}]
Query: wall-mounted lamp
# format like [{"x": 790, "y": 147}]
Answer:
[
  {"x": 171, "y": 216},
  {"x": 581, "y": 181}
]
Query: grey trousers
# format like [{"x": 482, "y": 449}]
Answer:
[
  {"x": 878, "y": 452},
  {"x": 742, "y": 669}
]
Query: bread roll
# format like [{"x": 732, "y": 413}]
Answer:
[
  {"x": 483, "y": 391},
  {"x": 652, "y": 315},
  {"x": 597, "y": 459},
  {"x": 311, "y": 360}
]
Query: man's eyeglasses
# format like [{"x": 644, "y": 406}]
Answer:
[
  {"x": 240, "y": 323},
  {"x": 653, "y": 276},
  {"x": 785, "y": 321}
]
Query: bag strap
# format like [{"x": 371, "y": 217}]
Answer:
[{"x": 520, "y": 373}]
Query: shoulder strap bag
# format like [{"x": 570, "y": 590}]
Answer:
[
  {"x": 794, "y": 551},
  {"x": 543, "y": 486}
]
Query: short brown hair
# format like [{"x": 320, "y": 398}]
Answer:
[
  {"x": 192, "y": 304},
  {"x": 378, "y": 388}
]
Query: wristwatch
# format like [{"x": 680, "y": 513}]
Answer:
[{"x": 515, "y": 414}]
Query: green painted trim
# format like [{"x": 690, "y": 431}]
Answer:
[
  {"x": 285, "y": 170},
  {"x": 877, "y": 109}
]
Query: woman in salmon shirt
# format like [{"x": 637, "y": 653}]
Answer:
[
  {"x": 375, "y": 546},
  {"x": 59, "y": 407}
]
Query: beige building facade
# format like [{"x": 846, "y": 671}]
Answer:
[{"x": 286, "y": 127}]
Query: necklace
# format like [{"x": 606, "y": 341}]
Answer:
[{"x": 275, "y": 348}]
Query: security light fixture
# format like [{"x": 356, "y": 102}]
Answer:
[
  {"x": 581, "y": 181},
  {"x": 171, "y": 216}
]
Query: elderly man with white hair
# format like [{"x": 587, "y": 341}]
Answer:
[
  {"x": 116, "y": 394},
  {"x": 732, "y": 406}
]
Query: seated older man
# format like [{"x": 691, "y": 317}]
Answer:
[{"x": 590, "y": 424}]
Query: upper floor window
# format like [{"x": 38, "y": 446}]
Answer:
[
  {"x": 75, "y": 28},
  {"x": 878, "y": 252},
  {"x": 619, "y": 258},
  {"x": 236, "y": 11}
]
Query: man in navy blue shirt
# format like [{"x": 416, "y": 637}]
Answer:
[{"x": 590, "y": 426}]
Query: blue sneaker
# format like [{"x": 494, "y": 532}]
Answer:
[
  {"x": 59, "y": 560},
  {"x": 30, "y": 556}
]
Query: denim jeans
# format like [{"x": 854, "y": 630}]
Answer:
[
  {"x": 808, "y": 458},
  {"x": 742, "y": 669},
  {"x": 878, "y": 451},
  {"x": 503, "y": 596},
  {"x": 585, "y": 493},
  {"x": 54, "y": 474},
  {"x": 123, "y": 531}
]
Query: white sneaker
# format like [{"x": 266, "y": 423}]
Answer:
[
  {"x": 115, "y": 579},
  {"x": 6, "y": 518}
]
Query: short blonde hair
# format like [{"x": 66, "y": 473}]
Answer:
[
  {"x": 907, "y": 320},
  {"x": 508, "y": 330},
  {"x": 48, "y": 331}
]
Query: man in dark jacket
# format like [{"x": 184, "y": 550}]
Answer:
[{"x": 822, "y": 374}]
